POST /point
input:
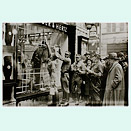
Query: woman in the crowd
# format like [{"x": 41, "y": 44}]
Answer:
[
  {"x": 87, "y": 83},
  {"x": 84, "y": 90}
]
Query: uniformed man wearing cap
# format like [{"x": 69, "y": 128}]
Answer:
[
  {"x": 78, "y": 69},
  {"x": 65, "y": 69},
  {"x": 84, "y": 92},
  {"x": 87, "y": 55}
]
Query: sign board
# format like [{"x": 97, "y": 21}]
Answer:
[{"x": 57, "y": 26}]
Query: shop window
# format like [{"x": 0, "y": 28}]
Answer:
[
  {"x": 32, "y": 73},
  {"x": 33, "y": 58},
  {"x": 27, "y": 64},
  {"x": 111, "y": 27}
]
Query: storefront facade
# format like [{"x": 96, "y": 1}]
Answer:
[
  {"x": 87, "y": 39},
  {"x": 20, "y": 41}
]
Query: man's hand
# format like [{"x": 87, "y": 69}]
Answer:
[{"x": 90, "y": 71}]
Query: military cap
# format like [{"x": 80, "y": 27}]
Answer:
[
  {"x": 67, "y": 53},
  {"x": 87, "y": 53},
  {"x": 78, "y": 55}
]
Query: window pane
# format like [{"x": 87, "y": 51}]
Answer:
[
  {"x": 113, "y": 27},
  {"x": 108, "y": 27},
  {"x": 121, "y": 26}
]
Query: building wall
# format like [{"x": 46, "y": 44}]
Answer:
[
  {"x": 81, "y": 30},
  {"x": 115, "y": 34}
]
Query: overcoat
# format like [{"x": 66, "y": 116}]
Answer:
[{"x": 115, "y": 86}]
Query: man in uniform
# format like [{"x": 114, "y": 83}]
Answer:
[
  {"x": 65, "y": 68},
  {"x": 96, "y": 73},
  {"x": 78, "y": 69},
  {"x": 85, "y": 77}
]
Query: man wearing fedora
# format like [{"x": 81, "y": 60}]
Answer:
[{"x": 115, "y": 87}]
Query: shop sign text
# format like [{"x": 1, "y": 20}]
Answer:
[{"x": 56, "y": 26}]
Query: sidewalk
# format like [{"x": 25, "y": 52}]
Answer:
[{"x": 72, "y": 101}]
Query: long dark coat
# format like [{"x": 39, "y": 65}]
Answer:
[{"x": 115, "y": 86}]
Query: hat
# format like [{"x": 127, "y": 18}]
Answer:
[
  {"x": 120, "y": 54},
  {"x": 67, "y": 53},
  {"x": 78, "y": 55},
  {"x": 105, "y": 58},
  {"x": 97, "y": 55},
  {"x": 87, "y": 53},
  {"x": 92, "y": 53},
  {"x": 113, "y": 56}
]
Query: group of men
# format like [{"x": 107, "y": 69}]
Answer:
[{"x": 97, "y": 81}]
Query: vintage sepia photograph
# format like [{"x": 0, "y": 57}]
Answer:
[{"x": 62, "y": 64}]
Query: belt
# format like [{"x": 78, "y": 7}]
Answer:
[{"x": 64, "y": 72}]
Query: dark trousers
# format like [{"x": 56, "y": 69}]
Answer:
[
  {"x": 65, "y": 86},
  {"x": 76, "y": 83}
]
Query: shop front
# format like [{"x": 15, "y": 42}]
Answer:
[{"x": 23, "y": 47}]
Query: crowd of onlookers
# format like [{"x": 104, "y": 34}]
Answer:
[{"x": 94, "y": 80}]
